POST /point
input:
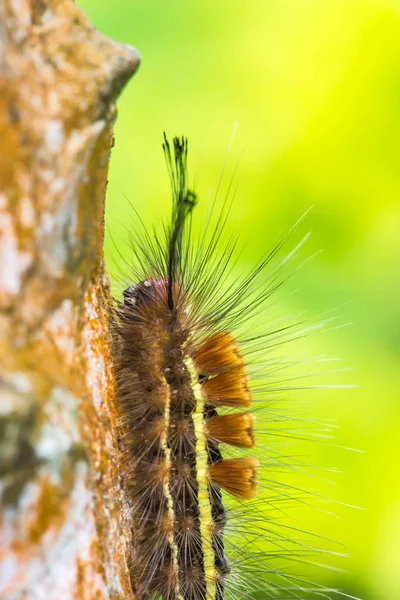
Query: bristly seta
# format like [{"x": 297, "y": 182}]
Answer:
[{"x": 184, "y": 398}]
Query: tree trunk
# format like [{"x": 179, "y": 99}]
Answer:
[{"x": 64, "y": 525}]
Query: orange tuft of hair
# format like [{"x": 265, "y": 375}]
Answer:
[
  {"x": 228, "y": 389},
  {"x": 236, "y": 429},
  {"x": 219, "y": 352},
  {"x": 236, "y": 475}
]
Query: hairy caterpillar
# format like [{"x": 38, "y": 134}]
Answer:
[{"x": 185, "y": 402}]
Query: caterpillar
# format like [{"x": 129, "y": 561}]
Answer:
[{"x": 187, "y": 407}]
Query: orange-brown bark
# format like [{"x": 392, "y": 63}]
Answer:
[{"x": 63, "y": 515}]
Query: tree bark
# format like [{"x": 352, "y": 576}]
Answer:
[{"x": 64, "y": 518}]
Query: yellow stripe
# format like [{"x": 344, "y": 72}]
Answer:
[
  {"x": 167, "y": 492},
  {"x": 201, "y": 468}
]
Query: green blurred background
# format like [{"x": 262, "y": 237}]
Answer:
[{"x": 315, "y": 88}]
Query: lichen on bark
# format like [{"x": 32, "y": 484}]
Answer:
[{"x": 64, "y": 525}]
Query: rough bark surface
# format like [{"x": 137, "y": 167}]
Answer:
[{"x": 63, "y": 515}]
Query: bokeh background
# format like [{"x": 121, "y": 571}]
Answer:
[{"x": 315, "y": 88}]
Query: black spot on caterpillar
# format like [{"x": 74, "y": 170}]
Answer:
[{"x": 184, "y": 398}]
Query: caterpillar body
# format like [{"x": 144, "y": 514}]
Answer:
[{"x": 184, "y": 398}]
